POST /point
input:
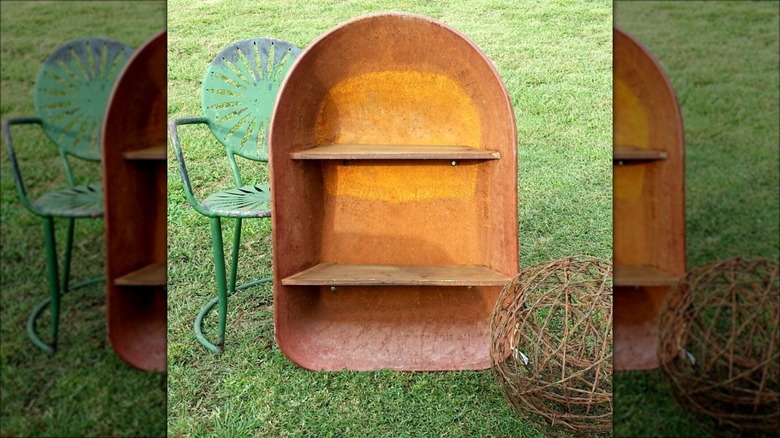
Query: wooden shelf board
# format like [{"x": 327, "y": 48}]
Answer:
[
  {"x": 328, "y": 274},
  {"x": 394, "y": 152},
  {"x": 154, "y": 274},
  {"x": 642, "y": 276},
  {"x": 632, "y": 153},
  {"x": 152, "y": 153}
]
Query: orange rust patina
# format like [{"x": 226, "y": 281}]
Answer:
[
  {"x": 649, "y": 209},
  {"x": 389, "y": 105},
  {"x": 383, "y": 262},
  {"x": 134, "y": 184}
]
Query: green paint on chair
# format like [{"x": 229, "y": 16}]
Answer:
[
  {"x": 238, "y": 95},
  {"x": 71, "y": 95}
]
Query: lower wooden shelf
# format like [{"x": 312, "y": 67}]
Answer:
[
  {"x": 329, "y": 274},
  {"x": 151, "y": 153},
  {"x": 154, "y": 274},
  {"x": 642, "y": 276}
]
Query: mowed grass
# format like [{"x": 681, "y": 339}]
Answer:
[
  {"x": 84, "y": 389},
  {"x": 556, "y": 62},
  {"x": 722, "y": 60}
]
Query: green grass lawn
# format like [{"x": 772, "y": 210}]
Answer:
[
  {"x": 556, "y": 62},
  {"x": 84, "y": 389},
  {"x": 722, "y": 60}
]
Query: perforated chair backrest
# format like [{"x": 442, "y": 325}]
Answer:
[
  {"x": 72, "y": 91},
  {"x": 239, "y": 91}
]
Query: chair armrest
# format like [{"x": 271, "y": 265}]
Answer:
[
  {"x": 185, "y": 177},
  {"x": 20, "y": 190}
]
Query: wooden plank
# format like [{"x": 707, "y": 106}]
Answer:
[
  {"x": 154, "y": 274},
  {"x": 328, "y": 274},
  {"x": 394, "y": 152},
  {"x": 631, "y": 153},
  {"x": 642, "y": 276},
  {"x": 151, "y": 153}
]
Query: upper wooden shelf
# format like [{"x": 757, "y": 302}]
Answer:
[
  {"x": 632, "y": 153},
  {"x": 154, "y": 274},
  {"x": 328, "y": 274},
  {"x": 394, "y": 152},
  {"x": 152, "y": 153},
  {"x": 642, "y": 276}
]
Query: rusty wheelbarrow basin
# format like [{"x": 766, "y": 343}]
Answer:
[
  {"x": 394, "y": 190},
  {"x": 648, "y": 204},
  {"x": 134, "y": 182}
]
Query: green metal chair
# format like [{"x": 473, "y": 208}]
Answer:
[
  {"x": 71, "y": 94},
  {"x": 237, "y": 97}
]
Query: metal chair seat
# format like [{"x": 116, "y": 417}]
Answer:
[
  {"x": 74, "y": 202},
  {"x": 244, "y": 201}
]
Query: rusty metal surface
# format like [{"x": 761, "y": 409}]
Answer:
[
  {"x": 649, "y": 208},
  {"x": 427, "y": 86},
  {"x": 635, "y": 331},
  {"x": 135, "y": 213}
]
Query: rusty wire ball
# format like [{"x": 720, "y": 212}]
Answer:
[
  {"x": 718, "y": 344},
  {"x": 551, "y": 344}
]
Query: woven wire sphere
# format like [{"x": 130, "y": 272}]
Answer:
[
  {"x": 718, "y": 344},
  {"x": 551, "y": 345}
]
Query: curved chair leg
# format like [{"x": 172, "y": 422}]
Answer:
[
  {"x": 56, "y": 290},
  {"x": 222, "y": 287},
  {"x": 199, "y": 327},
  {"x": 228, "y": 288},
  {"x": 31, "y": 327},
  {"x": 210, "y": 305},
  {"x": 219, "y": 276},
  {"x": 42, "y": 305}
]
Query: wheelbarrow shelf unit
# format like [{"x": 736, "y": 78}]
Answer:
[
  {"x": 134, "y": 181},
  {"x": 394, "y": 191},
  {"x": 649, "y": 205}
]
